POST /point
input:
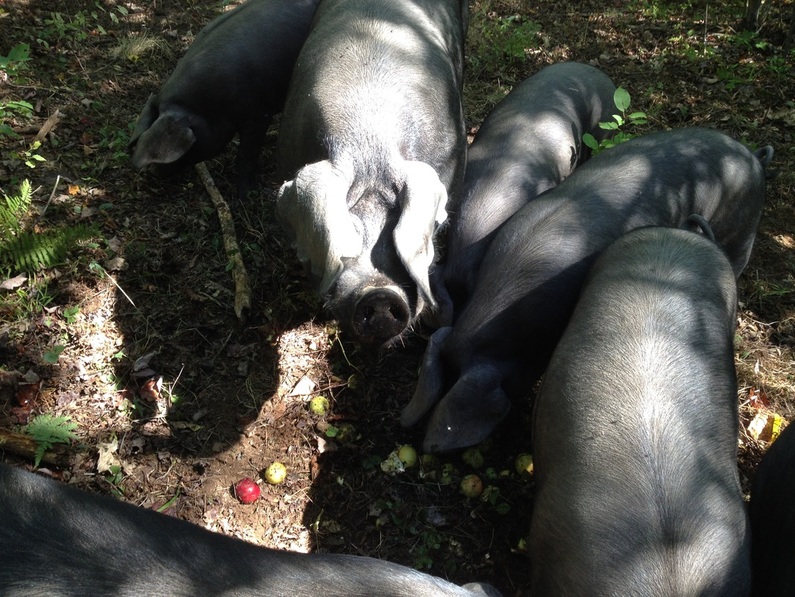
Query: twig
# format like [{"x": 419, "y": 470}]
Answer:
[
  {"x": 115, "y": 283},
  {"x": 54, "y": 188},
  {"x": 23, "y": 445},
  {"x": 239, "y": 274}
]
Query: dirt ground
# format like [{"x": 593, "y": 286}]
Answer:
[{"x": 175, "y": 400}]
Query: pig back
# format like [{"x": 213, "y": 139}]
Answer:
[
  {"x": 635, "y": 429},
  {"x": 377, "y": 82}
]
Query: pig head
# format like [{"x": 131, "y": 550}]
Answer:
[
  {"x": 348, "y": 252},
  {"x": 534, "y": 268},
  {"x": 372, "y": 143},
  {"x": 232, "y": 80}
]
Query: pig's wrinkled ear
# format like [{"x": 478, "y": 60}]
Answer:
[
  {"x": 430, "y": 383},
  {"x": 422, "y": 208},
  {"x": 468, "y": 413},
  {"x": 145, "y": 120},
  {"x": 312, "y": 207},
  {"x": 167, "y": 140}
]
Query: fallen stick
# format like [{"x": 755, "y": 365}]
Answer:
[
  {"x": 24, "y": 445},
  {"x": 239, "y": 274}
]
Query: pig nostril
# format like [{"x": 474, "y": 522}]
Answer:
[{"x": 380, "y": 315}]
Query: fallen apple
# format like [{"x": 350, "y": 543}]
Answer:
[
  {"x": 247, "y": 491},
  {"x": 276, "y": 473},
  {"x": 471, "y": 486}
]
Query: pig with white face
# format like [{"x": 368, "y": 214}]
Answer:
[
  {"x": 530, "y": 277},
  {"x": 233, "y": 79},
  {"x": 527, "y": 144},
  {"x": 58, "y": 541},
  {"x": 635, "y": 430},
  {"x": 373, "y": 143},
  {"x": 773, "y": 519}
]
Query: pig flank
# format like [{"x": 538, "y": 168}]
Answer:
[
  {"x": 530, "y": 277},
  {"x": 60, "y": 542},
  {"x": 635, "y": 430},
  {"x": 372, "y": 142},
  {"x": 528, "y": 143},
  {"x": 772, "y": 513},
  {"x": 233, "y": 79}
]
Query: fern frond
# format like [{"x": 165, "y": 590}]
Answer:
[
  {"x": 13, "y": 208},
  {"x": 30, "y": 251}
]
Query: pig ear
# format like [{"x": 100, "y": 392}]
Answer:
[
  {"x": 765, "y": 155},
  {"x": 468, "y": 413},
  {"x": 313, "y": 209},
  {"x": 422, "y": 207},
  {"x": 430, "y": 383},
  {"x": 145, "y": 120},
  {"x": 167, "y": 140}
]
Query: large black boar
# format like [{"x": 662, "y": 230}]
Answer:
[
  {"x": 60, "y": 542},
  {"x": 773, "y": 519},
  {"x": 527, "y": 144},
  {"x": 528, "y": 282},
  {"x": 635, "y": 430},
  {"x": 233, "y": 79},
  {"x": 373, "y": 141}
]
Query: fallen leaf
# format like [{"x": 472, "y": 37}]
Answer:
[
  {"x": 107, "y": 455},
  {"x": 304, "y": 387},
  {"x": 765, "y": 426},
  {"x": 758, "y": 398},
  {"x": 13, "y": 283},
  {"x": 150, "y": 391}
]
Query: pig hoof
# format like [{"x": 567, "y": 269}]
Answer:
[{"x": 380, "y": 315}]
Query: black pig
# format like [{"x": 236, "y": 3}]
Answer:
[
  {"x": 529, "y": 279},
  {"x": 233, "y": 79},
  {"x": 527, "y": 144},
  {"x": 60, "y": 542},
  {"x": 635, "y": 430},
  {"x": 373, "y": 142},
  {"x": 773, "y": 519}
]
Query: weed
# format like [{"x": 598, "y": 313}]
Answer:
[
  {"x": 52, "y": 355},
  {"x": 48, "y": 430},
  {"x": 70, "y": 314},
  {"x": 16, "y": 60},
  {"x": 10, "y": 66},
  {"x": 499, "y": 44},
  {"x": 29, "y": 156},
  {"x": 72, "y": 30},
  {"x": 115, "y": 140},
  {"x": 115, "y": 476},
  {"x": 29, "y": 250},
  {"x": 622, "y": 100}
]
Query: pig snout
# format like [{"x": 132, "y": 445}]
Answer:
[{"x": 380, "y": 314}]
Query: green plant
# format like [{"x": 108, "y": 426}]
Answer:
[
  {"x": 48, "y": 430},
  {"x": 30, "y": 155},
  {"x": 16, "y": 60},
  {"x": 70, "y": 314},
  {"x": 498, "y": 44},
  {"x": 60, "y": 28},
  {"x": 29, "y": 250},
  {"x": 52, "y": 355},
  {"x": 621, "y": 99},
  {"x": 116, "y": 140}
]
